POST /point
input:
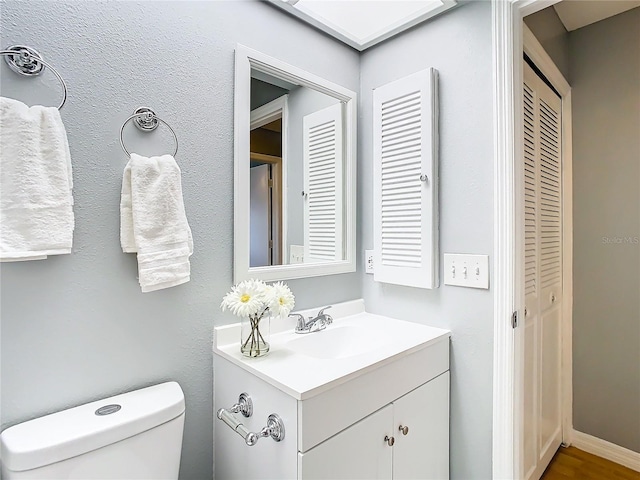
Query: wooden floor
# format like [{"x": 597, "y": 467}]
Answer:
[{"x": 571, "y": 463}]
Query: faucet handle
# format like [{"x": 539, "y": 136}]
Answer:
[
  {"x": 300, "y": 325},
  {"x": 328, "y": 318}
]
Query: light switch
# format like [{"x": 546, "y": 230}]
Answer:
[
  {"x": 466, "y": 270},
  {"x": 296, "y": 254}
]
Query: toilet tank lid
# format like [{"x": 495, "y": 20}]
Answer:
[{"x": 79, "y": 430}]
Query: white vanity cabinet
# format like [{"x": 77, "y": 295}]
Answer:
[
  {"x": 357, "y": 452},
  {"x": 424, "y": 451},
  {"x": 361, "y": 450},
  {"x": 338, "y": 409}
]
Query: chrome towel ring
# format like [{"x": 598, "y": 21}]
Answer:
[
  {"x": 146, "y": 120},
  {"x": 28, "y": 62}
]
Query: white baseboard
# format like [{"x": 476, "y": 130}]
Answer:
[{"x": 608, "y": 450}]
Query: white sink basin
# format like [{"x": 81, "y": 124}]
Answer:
[
  {"x": 357, "y": 343},
  {"x": 337, "y": 342}
]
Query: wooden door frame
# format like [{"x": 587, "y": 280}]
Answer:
[{"x": 510, "y": 39}]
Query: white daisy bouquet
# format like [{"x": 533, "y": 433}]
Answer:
[{"x": 253, "y": 300}]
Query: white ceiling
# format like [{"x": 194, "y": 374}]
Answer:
[
  {"x": 363, "y": 23},
  {"x": 576, "y": 14}
]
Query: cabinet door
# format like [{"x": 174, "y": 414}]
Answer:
[
  {"x": 405, "y": 176},
  {"x": 360, "y": 451},
  {"x": 424, "y": 451}
]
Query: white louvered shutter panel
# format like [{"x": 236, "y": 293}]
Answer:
[
  {"x": 323, "y": 220},
  {"x": 543, "y": 193},
  {"x": 405, "y": 131},
  {"x": 550, "y": 201},
  {"x": 530, "y": 196},
  {"x": 531, "y": 270},
  {"x": 542, "y": 398}
]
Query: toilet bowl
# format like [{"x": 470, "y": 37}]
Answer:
[{"x": 135, "y": 435}]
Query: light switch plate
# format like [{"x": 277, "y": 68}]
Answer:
[
  {"x": 296, "y": 254},
  {"x": 466, "y": 270}
]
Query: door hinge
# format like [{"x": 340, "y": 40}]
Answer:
[
  {"x": 514, "y": 319},
  {"x": 270, "y": 183}
]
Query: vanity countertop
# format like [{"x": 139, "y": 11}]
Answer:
[{"x": 303, "y": 373}]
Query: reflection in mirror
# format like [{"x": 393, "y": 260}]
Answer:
[
  {"x": 294, "y": 185},
  {"x": 296, "y": 174}
]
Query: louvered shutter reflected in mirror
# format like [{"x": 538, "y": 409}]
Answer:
[
  {"x": 405, "y": 189},
  {"x": 323, "y": 174}
]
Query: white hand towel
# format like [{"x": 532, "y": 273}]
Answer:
[
  {"x": 36, "y": 202},
  {"x": 153, "y": 221}
]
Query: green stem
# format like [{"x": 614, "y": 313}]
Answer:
[{"x": 255, "y": 336}]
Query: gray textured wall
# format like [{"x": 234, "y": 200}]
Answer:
[
  {"x": 458, "y": 44},
  {"x": 554, "y": 38},
  {"x": 76, "y": 328},
  {"x": 605, "y": 80}
]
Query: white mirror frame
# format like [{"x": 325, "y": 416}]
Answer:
[{"x": 246, "y": 59}]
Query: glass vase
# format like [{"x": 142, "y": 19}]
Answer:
[{"x": 254, "y": 335}]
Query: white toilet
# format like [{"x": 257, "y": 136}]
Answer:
[{"x": 136, "y": 435}]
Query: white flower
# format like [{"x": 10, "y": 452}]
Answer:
[
  {"x": 254, "y": 298},
  {"x": 245, "y": 299},
  {"x": 280, "y": 299}
]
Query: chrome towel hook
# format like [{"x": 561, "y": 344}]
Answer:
[
  {"x": 28, "y": 62},
  {"x": 146, "y": 120}
]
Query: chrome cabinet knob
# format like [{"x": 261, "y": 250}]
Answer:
[
  {"x": 390, "y": 440},
  {"x": 404, "y": 429}
]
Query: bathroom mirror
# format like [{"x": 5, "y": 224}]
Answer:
[{"x": 294, "y": 210}]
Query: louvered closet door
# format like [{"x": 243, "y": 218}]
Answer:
[
  {"x": 323, "y": 173},
  {"x": 405, "y": 181},
  {"x": 543, "y": 274}
]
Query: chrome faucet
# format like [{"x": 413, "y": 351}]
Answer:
[{"x": 315, "y": 324}]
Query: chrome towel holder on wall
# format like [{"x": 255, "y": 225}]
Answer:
[
  {"x": 28, "y": 62},
  {"x": 146, "y": 120}
]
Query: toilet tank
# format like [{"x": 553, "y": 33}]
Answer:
[{"x": 135, "y": 435}]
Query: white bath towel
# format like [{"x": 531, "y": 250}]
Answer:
[
  {"x": 36, "y": 202},
  {"x": 153, "y": 222}
]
